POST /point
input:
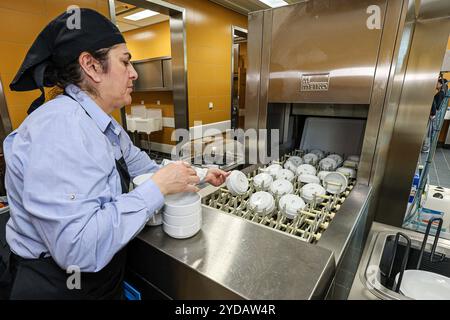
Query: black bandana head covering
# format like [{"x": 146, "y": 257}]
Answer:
[{"x": 60, "y": 43}]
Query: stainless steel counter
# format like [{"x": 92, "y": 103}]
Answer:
[{"x": 231, "y": 258}]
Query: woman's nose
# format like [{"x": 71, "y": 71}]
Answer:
[{"x": 133, "y": 73}]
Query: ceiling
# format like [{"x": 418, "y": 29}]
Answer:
[
  {"x": 246, "y": 6},
  {"x": 125, "y": 9}
]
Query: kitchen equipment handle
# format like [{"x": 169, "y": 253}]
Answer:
[{"x": 404, "y": 261}]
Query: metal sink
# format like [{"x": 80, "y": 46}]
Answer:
[{"x": 371, "y": 281}]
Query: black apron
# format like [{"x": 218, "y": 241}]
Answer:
[{"x": 42, "y": 278}]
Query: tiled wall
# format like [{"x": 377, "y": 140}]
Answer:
[{"x": 20, "y": 23}]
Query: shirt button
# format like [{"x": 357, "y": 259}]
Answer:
[
  {"x": 114, "y": 144},
  {"x": 72, "y": 197}
]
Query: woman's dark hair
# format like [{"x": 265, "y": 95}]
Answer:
[{"x": 72, "y": 72}]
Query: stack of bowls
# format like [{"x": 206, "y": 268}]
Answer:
[
  {"x": 182, "y": 215},
  {"x": 156, "y": 219}
]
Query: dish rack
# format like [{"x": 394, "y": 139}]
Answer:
[{"x": 309, "y": 224}]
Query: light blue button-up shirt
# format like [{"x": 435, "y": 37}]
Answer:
[{"x": 63, "y": 188}]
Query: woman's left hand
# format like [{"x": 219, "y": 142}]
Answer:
[{"x": 216, "y": 177}]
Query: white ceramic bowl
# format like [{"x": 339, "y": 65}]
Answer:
[
  {"x": 310, "y": 158},
  {"x": 290, "y": 204},
  {"x": 319, "y": 153},
  {"x": 281, "y": 187},
  {"x": 286, "y": 174},
  {"x": 262, "y": 181},
  {"x": 308, "y": 178},
  {"x": 306, "y": 168},
  {"x": 308, "y": 191},
  {"x": 322, "y": 174},
  {"x": 180, "y": 221},
  {"x": 351, "y": 164},
  {"x": 349, "y": 173},
  {"x": 353, "y": 158},
  {"x": 273, "y": 170},
  {"x": 182, "y": 232},
  {"x": 262, "y": 203},
  {"x": 137, "y": 181},
  {"x": 296, "y": 160},
  {"x": 335, "y": 183},
  {"x": 182, "y": 204},
  {"x": 237, "y": 183},
  {"x": 328, "y": 164},
  {"x": 337, "y": 158},
  {"x": 424, "y": 285}
]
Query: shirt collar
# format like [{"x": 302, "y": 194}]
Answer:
[{"x": 100, "y": 117}]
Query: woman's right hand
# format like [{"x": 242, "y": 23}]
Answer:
[{"x": 176, "y": 177}]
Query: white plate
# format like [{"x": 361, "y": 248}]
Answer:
[
  {"x": 335, "y": 183},
  {"x": 308, "y": 191},
  {"x": 273, "y": 169},
  {"x": 328, "y": 164},
  {"x": 262, "y": 181},
  {"x": 180, "y": 221},
  {"x": 290, "y": 204},
  {"x": 281, "y": 187},
  {"x": 286, "y": 174},
  {"x": 350, "y": 173},
  {"x": 424, "y": 285},
  {"x": 262, "y": 202},
  {"x": 141, "y": 179},
  {"x": 182, "y": 204},
  {"x": 310, "y": 158},
  {"x": 237, "y": 183},
  {"x": 181, "y": 232},
  {"x": 306, "y": 168},
  {"x": 308, "y": 178}
]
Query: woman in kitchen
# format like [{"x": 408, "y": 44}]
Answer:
[{"x": 69, "y": 166}]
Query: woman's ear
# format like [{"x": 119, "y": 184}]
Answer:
[{"x": 91, "y": 67}]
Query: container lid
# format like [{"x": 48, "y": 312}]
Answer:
[
  {"x": 285, "y": 174},
  {"x": 309, "y": 190},
  {"x": 237, "y": 182},
  {"x": 290, "y": 204},
  {"x": 263, "y": 178},
  {"x": 335, "y": 182},
  {"x": 306, "y": 168},
  {"x": 308, "y": 178},
  {"x": 262, "y": 200},
  {"x": 281, "y": 187}
]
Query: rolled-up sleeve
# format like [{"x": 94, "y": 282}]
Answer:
[{"x": 72, "y": 205}]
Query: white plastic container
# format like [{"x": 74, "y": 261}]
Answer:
[
  {"x": 290, "y": 204},
  {"x": 263, "y": 181},
  {"x": 281, "y": 187},
  {"x": 237, "y": 183},
  {"x": 262, "y": 203}
]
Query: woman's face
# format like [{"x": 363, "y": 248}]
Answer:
[{"x": 116, "y": 85}]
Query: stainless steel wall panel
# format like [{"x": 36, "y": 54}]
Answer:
[
  {"x": 425, "y": 59},
  {"x": 329, "y": 40}
]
